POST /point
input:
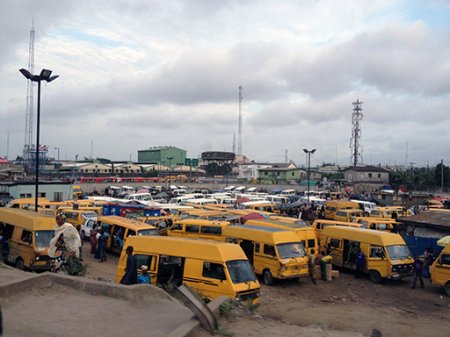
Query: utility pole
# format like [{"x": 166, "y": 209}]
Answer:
[
  {"x": 442, "y": 175},
  {"x": 412, "y": 175},
  {"x": 240, "y": 122}
]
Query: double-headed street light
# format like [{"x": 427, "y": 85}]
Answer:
[
  {"x": 45, "y": 75},
  {"x": 308, "y": 152},
  {"x": 170, "y": 168}
]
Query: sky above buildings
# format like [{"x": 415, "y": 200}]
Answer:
[{"x": 137, "y": 74}]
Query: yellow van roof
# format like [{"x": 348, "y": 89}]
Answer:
[
  {"x": 193, "y": 248},
  {"x": 27, "y": 219},
  {"x": 121, "y": 221},
  {"x": 379, "y": 238},
  {"x": 260, "y": 233},
  {"x": 203, "y": 222}
]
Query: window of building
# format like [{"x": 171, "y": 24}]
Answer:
[
  {"x": 370, "y": 175},
  {"x": 57, "y": 196}
]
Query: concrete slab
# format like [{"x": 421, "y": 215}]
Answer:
[{"x": 53, "y": 305}]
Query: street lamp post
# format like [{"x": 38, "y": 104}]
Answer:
[
  {"x": 57, "y": 148},
  {"x": 170, "y": 168},
  {"x": 308, "y": 153},
  {"x": 43, "y": 76}
]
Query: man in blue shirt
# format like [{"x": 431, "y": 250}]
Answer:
[{"x": 144, "y": 276}]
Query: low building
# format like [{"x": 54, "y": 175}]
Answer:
[
  {"x": 163, "y": 155},
  {"x": 54, "y": 190},
  {"x": 366, "y": 178},
  {"x": 250, "y": 171},
  {"x": 423, "y": 230},
  {"x": 281, "y": 173}
]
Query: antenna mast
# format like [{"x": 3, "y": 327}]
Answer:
[
  {"x": 29, "y": 104},
  {"x": 355, "y": 141},
  {"x": 234, "y": 142},
  {"x": 240, "y": 122}
]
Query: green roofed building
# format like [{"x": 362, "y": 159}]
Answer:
[{"x": 162, "y": 155}]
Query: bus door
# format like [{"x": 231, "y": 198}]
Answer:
[
  {"x": 170, "y": 270},
  {"x": 336, "y": 250}
]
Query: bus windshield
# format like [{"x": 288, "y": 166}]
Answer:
[
  {"x": 240, "y": 271},
  {"x": 397, "y": 252},
  {"x": 42, "y": 238},
  {"x": 291, "y": 250}
]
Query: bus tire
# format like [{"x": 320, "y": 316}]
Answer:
[
  {"x": 267, "y": 277},
  {"x": 375, "y": 276},
  {"x": 447, "y": 288},
  {"x": 19, "y": 264}
]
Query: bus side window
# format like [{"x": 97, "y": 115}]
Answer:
[
  {"x": 26, "y": 237},
  {"x": 269, "y": 250},
  {"x": 144, "y": 260},
  {"x": 377, "y": 252},
  {"x": 335, "y": 243},
  {"x": 213, "y": 270},
  {"x": 257, "y": 247}
]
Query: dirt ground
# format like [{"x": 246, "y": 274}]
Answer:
[{"x": 343, "y": 307}]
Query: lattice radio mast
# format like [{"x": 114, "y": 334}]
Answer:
[
  {"x": 355, "y": 141},
  {"x": 29, "y": 105},
  {"x": 234, "y": 143},
  {"x": 240, "y": 122}
]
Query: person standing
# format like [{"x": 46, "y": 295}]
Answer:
[
  {"x": 93, "y": 240},
  {"x": 66, "y": 245},
  {"x": 311, "y": 267},
  {"x": 360, "y": 259},
  {"x": 323, "y": 265},
  {"x": 130, "y": 276},
  {"x": 418, "y": 269}
]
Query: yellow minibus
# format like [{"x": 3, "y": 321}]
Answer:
[
  {"x": 306, "y": 234},
  {"x": 198, "y": 229},
  {"x": 378, "y": 224},
  {"x": 332, "y": 206},
  {"x": 26, "y": 203},
  {"x": 120, "y": 228},
  {"x": 162, "y": 223},
  {"x": 274, "y": 253},
  {"x": 346, "y": 215},
  {"x": 440, "y": 270},
  {"x": 211, "y": 268},
  {"x": 26, "y": 238},
  {"x": 320, "y": 224},
  {"x": 386, "y": 254},
  {"x": 77, "y": 216}
]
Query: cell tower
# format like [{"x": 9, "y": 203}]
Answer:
[
  {"x": 355, "y": 141},
  {"x": 240, "y": 122},
  {"x": 29, "y": 105}
]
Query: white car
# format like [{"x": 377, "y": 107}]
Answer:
[{"x": 85, "y": 232}]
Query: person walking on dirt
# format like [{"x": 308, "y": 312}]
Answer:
[
  {"x": 311, "y": 267},
  {"x": 418, "y": 270},
  {"x": 360, "y": 259},
  {"x": 323, "y": 266},
  {"x": 130, "y": 276},
  {"x": 93, "y": 240}
]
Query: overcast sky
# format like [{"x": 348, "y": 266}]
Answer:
[{"x": 136, "y": 74}]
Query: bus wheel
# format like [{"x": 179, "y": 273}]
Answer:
[
  {"x": 447, "y": 288},
  {"x": 375, "y": 276},
  {"x": 19, "y": 264},
  {"x": 267, "y": 277}
]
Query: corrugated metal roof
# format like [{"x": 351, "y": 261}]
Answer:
[{"x": 436, "y": 219}]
